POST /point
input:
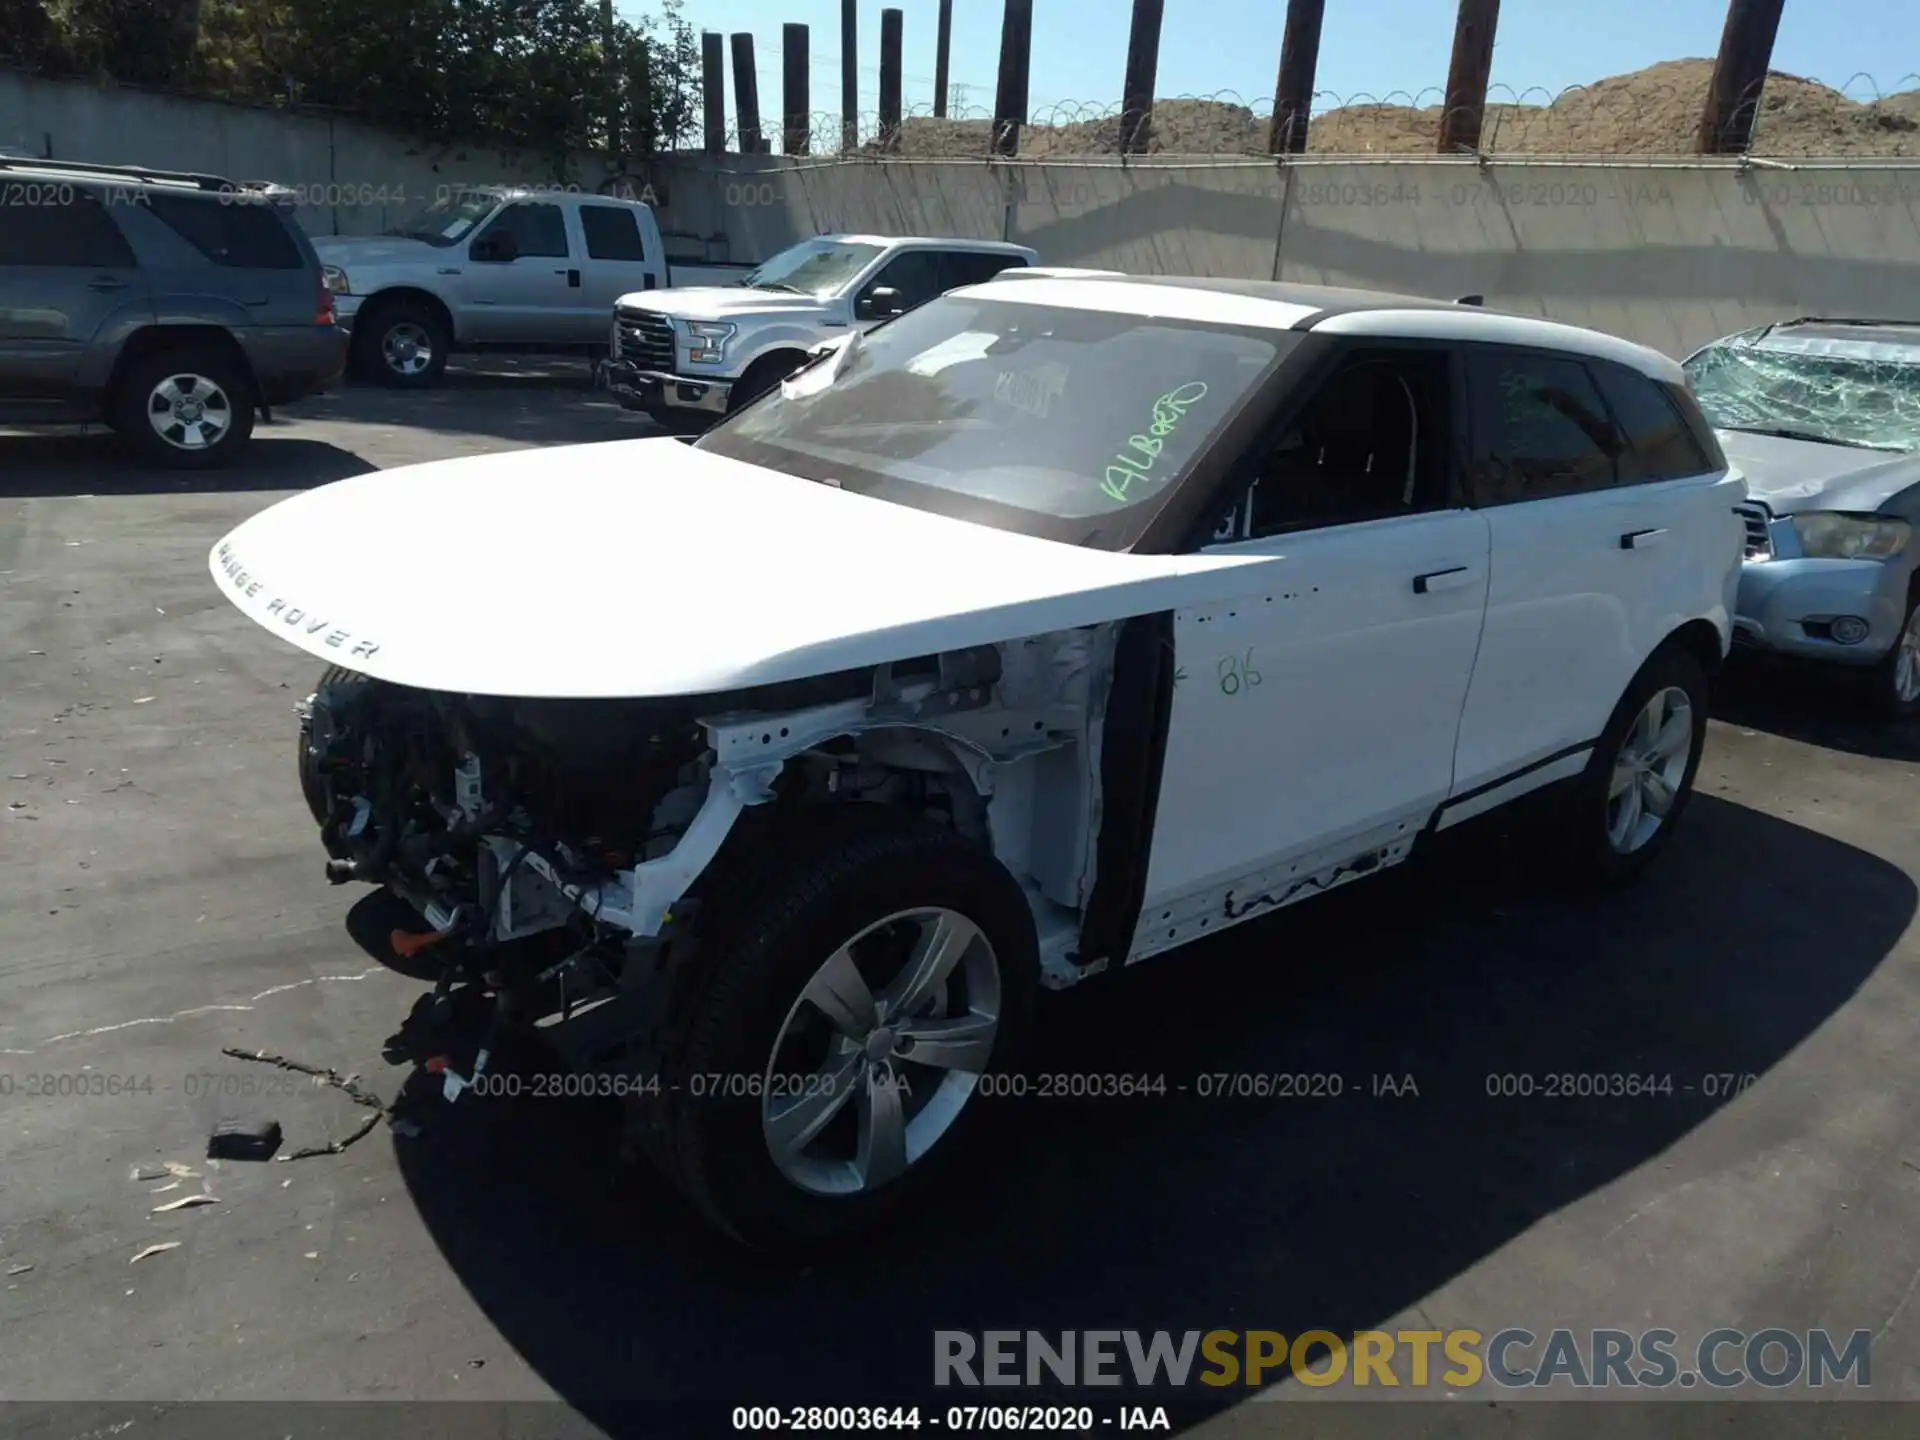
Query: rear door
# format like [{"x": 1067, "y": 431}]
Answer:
[
  {"x": 1597, "y": 555},
  {"x": 67, "y": 274},
  {"x": 613, "y": 262},
  {"x": 239, "y": 249}
]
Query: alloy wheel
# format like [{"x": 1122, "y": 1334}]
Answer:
[
  {"x": 1649, "y": 770},
  {"x": 881, "y": 1052},
  {"x": 189, "y": 412},
  {"x": 407, "y": 348}
]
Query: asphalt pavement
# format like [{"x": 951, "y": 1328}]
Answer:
[{"x": 162, "y": 900}]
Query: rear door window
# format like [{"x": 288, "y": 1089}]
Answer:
[
  {"x": 612, "y": 233},
  {"x": 239, "y": 234},
  {"x": 1660, "y": 446},
  {"x": 974, "y": 267},
  {"x": 1540, "y": 428},
  {"x": 57, "y": 224}
]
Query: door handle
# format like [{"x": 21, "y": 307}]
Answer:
[
  {"x": 1436, "y": 580},
  {"x": 106, "y": 282},
  {"x": 1641, "y": 539},
  {"x": 573, "y": 278}
]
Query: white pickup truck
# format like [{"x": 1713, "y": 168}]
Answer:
[
  {"x": 487, "y": 267},
  {"x": 699, "y": 353}
]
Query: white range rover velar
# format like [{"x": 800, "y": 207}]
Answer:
[{"x": 1043, "y": 629}]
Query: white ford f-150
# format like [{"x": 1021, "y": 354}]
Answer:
[
  {"x": 1050, "y": 627},
  {"x": 695, "y": 354},
  {"x": 488, "y": 267}
]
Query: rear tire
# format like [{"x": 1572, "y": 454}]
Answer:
[
  {"x": 750, "y": 1044},
  {"x": 189, "y": 409},
  {"x": 1623, "y": 810}
]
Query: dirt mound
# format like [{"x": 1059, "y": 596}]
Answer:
[{"x": 1655, "y": 111}]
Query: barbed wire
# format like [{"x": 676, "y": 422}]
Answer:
[{"x": 1652, "y": 112}]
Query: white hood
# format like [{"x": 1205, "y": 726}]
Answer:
[
  {"x": 723, "y": 302},
  {"x": 647, "y": 568},
  {"x": 347, "y": 251}
]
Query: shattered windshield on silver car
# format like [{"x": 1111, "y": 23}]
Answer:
[{"x": 1839, "y": 390}]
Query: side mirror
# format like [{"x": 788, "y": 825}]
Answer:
[
  {"x": 883, "y": 302},
  {"x": 497, "y": 247}
]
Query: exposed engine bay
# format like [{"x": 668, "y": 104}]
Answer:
[{"x": 560, "y": 851}]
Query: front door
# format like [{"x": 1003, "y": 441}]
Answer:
[
  {"x": 531, "y": 299},
  {"x": 1317, "y": 713}
]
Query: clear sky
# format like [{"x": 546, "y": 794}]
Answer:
[{"x": 1369, "y": 47}]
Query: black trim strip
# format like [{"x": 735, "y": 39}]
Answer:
[
  {"x": 1511, "y": 776},
  {"x": 1133, "y": 754}
]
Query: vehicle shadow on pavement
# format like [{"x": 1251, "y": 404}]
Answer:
[
  {"x": 46, "y": 465},
  {"x": 1179, "y": 1212},
  {"x": 547, "y": 406},
  {"x": 1820, "y": 705}
]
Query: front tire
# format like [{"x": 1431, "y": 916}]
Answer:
[
  {"x": 1624, "y": 808},
  {"x": 403, "y": 344},
  {"x": 184, "y": 409},
  {"x": 828, "y": 1069}
]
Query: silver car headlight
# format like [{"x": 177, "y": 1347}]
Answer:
[
  {"x": 707, "y": 340},
  {"x": 335, "y": 279},
  {"x": 1834, "y": 535}
]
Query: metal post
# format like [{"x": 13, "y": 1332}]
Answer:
[
  {"x": 796, "y": 121},
  {"x": 1465, "y": 107},
  {"x": 1293, "y": 92},
  {"x": 942, "y": 51},
  {"x": 1143, "y": 68},
  {"x": 1010, "y": 96},
  {"x": 713, "y": 90},
  {"x": 849, "y": 74},
  {"x": 746, "y": 95},
  {"x": 1739, "y": 72},
  {"x": 890, "y": 27}
]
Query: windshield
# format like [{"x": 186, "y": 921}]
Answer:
[
  {"x": 1058, "y": 421},
  {"x": 813, "y": 267},
  {"x": 1841, "y": 391},
  {"x": 447, "y": 220}
]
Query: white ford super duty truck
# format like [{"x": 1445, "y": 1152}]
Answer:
[
  {"x": 487, "y": 267},
  {"x": 696, "y": 354}
]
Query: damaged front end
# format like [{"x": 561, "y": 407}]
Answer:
[{"x": 558, "y": 851}]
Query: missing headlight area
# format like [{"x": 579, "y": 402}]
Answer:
[{"x": 601, "y": 828}]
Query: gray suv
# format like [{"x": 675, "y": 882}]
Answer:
[{"x": 171, "y": 307}]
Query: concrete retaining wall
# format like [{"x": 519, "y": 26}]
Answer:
[{"x": 1670, "y": 253}]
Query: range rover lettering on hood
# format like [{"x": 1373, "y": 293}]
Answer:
[{"x": 249, "y": 586}]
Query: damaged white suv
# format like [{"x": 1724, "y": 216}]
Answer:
[{"x": 1050, "y": 626}]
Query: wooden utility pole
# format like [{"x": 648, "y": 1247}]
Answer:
[
  {"x": 1293, "y": 91},
  {"x": 713, "y": 90},
  {"x": 849, "y": 75},
  {"x": 746, "y": 95},
  {"x": 1143, "y": 68},
  {"x": 1010, "y": 96},
  {"x": 890, "y": 28},
  {"x": 796, "y": 106},
  {"x": 942, "y": 51},
  {"x": 1739, "y": 73},
  {"x": 1465, "y": 107}
]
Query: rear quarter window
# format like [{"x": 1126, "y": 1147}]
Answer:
[
  {"x": 1661, "y": 443},
  {"x": 241, "y": 235}
]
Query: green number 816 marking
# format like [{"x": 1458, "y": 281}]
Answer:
[{"x": 1237, "y": 673}]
